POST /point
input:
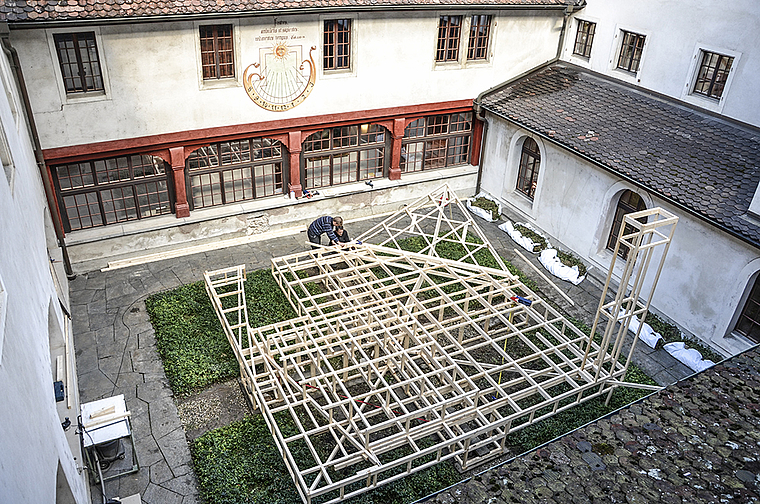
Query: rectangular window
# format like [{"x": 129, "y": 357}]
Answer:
[
  {"x": 449, "y": 28},
  {"x": 713, "y": 74},
  {"x": 344, "y": 154},
  {"x": 80, "y": 66},
  {"x": 480, "y": 31},
  {"x": 217, "y": 56},
  {"x": 108, "y": 191},
  {"x": 239, "y": 170},
  {"x": 337, "y": 44},
  {"x": 436, "y": 142},
  {"x": 630, "y": 51},
  {"x": 584, "y": 37}
]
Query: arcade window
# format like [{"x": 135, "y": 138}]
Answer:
[
  {"x": 229, "y": 172},
  {"x": 337, "y": 44},
  {"x": 530, "y": 161},
  {"x": 436, "y": 142},
  {"x": 109, "y": 191},
  {"x": 80, "y": 66},
  {"x": 449, "y": 28},
  {"x": 217, "y": 57},
  {"x": 344, "y": 154},
  {"x": 630, "y": 51},
  {"x": 480, "y": 31},
  {"x": 584, "y": 37},
  {"x": 713, "y": 74}
]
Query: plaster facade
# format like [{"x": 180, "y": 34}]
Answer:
[
  {"x": 162, "y": 91},
  {"x": 672, "y": 50},
  {"x": 39, "y": 460}
]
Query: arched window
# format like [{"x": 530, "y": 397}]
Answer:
[
  {"x": 344, "y": 154},
  {"x": 229, "y": 172},
  {"x": 530, "y": 159},
  {"x": 629, "y": 202},
  {"x": 749, "y": 321}
]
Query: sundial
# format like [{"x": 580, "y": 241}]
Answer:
[{"x": 284, "y": 78}]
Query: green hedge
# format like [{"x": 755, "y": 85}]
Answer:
[
  {"x": 190, "y": 338},
  {"x": 240, "y": 464}
]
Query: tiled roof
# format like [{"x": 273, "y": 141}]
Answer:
[
  {"x": 706, "y": 164},
  {"x": 55, "y": 10},
  {"x": 695, "y": 442}
]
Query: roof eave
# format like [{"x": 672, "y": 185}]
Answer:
[{"x": 48, "y": 23}]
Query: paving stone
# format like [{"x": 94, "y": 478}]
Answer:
[
  {"x": 148, "y": 452},
  {"x": 174, "y": 448},
  {"x": 152, "y": 390},
  {"x": 160, "y": 472},
  {"x": 184, "y": 484},
  {"x": 156, "y": 494}
]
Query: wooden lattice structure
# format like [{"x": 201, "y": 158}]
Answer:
[{"x": 399, "y": 360}]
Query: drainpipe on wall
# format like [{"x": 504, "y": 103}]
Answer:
[
  {"x": 477, "y": 103},
  {"x": 10, "y": 51}
]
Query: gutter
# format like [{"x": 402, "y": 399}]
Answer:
[
  {"x": 627, "y": 178},
  {"x": 10, "y": 51},
  {"x": 26, "y": 24}
]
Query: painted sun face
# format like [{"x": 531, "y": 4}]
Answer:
[{"x": 280, "y": 50}]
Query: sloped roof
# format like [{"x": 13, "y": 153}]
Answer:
[
  {"x": 60, "y": 10},
  {"x": 695, "y": 441},
  {"x": 700, "y": 162}
]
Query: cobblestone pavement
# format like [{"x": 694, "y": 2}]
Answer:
[
  {"x": 695, "y": 442},
  {"x": 116, "y": 352}
]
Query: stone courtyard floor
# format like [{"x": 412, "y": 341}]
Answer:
[{"x": 116, "y": 354}]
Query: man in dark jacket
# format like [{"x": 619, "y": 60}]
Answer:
[{"x": 324, "y": 225}]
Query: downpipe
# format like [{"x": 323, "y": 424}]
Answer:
[{"x": 10, "y": 51}]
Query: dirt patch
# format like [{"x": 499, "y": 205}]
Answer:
[{"x": 217, "y": 406}]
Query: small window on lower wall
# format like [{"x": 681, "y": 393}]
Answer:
[
  {"x": 749, "y": 321},
  {"x": 109, "y": 191},
  {"x": 230, "y": 172},
  {"x": 344, "y": 154},
  {"x": 437, "y": 141},
  {"x": 629, "y": 202}
]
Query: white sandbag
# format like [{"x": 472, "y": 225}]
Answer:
[
  {"x": 647, "y": 334},
  {"x": 688, "y": 356},
  {"x": 552, "y": 263},
  {"x": 518, "y": 238},
  {"x": 480, "y": 212}
]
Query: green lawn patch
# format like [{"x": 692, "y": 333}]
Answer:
[
  {"x": 240, "y": 464},
  {"x": 190, "y": 339}
]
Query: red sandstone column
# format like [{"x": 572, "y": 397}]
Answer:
[
  {"x": 398, "y": 135},
  {"x": 181, "y": 208},
  {"x": 477, "y": 140},
  {"x": 294, "y": 148}
]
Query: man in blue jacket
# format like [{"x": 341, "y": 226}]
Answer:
[{"x": 324, "y": 225}]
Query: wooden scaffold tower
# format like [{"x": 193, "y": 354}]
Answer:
[{"x": 401, "y": 359}]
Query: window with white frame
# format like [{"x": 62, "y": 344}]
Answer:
[
  {"x": 712, "y": 74},
  {"x": 631, "y": 49}
]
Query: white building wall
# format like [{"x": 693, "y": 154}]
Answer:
[
  {"x": 32, "y": 443},
  {"x": 675, "y": 32},
  {"x": 154, "y": 82},
  {"x": 706, "y": 273}
]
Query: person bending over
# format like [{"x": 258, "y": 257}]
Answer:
[
  {"x": 342, "y": 234},
  {"x": 324, "y": 225}
]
